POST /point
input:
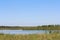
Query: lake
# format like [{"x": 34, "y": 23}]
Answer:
[{"x": 23, "y": 31}]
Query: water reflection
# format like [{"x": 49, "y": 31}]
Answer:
[
  {"x": 28, "y": 31},
  {"x": 22, "y": 31}
]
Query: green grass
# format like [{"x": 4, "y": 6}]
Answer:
[
  {"x": 30, "y": 28},
  {"x": 43, "y": 27},
  {"x": 53, "y": 36}
]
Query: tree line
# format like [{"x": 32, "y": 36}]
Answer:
[{"x": 43, "y": 27}]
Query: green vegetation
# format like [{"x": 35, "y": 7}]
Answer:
[
  {"x": 51, "y": 36},
  {"x": 43, "y": 27},
  {"x": 54, "y": 36}
]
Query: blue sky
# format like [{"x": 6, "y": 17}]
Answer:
[{"x": 29, "y": 12}]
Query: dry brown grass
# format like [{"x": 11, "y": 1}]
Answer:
[{"x": 31, "y": 37}]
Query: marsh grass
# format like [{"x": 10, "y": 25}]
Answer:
[{"x": 54, "y": 36}]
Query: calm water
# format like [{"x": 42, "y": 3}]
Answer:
[
  {"x": 23, "y": 31},
  {"x": 26, "y": 31}
]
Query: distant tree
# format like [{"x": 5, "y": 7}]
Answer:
[
  {"x": 44, "y": 26},
  {"x": 50, "y": 25},
  {"x": 38, "y": 26}
]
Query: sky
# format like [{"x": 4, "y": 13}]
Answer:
[{"x": 29, "y": 12}]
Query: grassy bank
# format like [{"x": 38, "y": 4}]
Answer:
[
  {"x": 43, "y": 27},
  {"x": 30, "y": 37}
]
